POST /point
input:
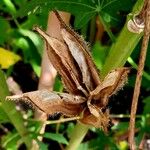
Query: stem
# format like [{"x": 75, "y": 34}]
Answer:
[
  {"x": 123, "y": 47},
  {"x": 139, "y": 76},
  {"x": 112, "y": 37},
  {"x": 14, "y": 116},
  {"x": 134, "y": 65},
  {"x": 77, "y": 136},
  {"x": 62, "y": 120},
  {"x": 111, "y": 63},
  {"x": 120, "y": 51},
  {"x": 125, "y": 116}
]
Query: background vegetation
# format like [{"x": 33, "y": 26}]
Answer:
[{"x": 103, "y": 24}]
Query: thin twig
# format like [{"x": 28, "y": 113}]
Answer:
[
  {"x": 139, "y": 75},
  {"x": 62, "y": 120},
  {"x": 122, "y": 116}
]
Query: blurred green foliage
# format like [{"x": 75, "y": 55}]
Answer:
[{"x": 17, "y": 19}]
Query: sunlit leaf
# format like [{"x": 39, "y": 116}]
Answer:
[
  {"x": 56, "y": 137},
  {"x": 10, "y": 6},
  {"x": 123, "y": 145},
  {"x": 7, "y": 58},
  {"x": 37, "y": 41}
]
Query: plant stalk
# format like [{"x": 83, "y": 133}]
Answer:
[
  {"x": 142, "y": 59},
  {"x": 77, "y": 136}
]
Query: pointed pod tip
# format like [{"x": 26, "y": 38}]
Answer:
[
  {"x": 41, "y": 32},
  {"x": 36, "y": 28},
  {"x": 127, "y": 69},
  {"x": 14, "y": 97},
  {"x": 62, "y": 23}
]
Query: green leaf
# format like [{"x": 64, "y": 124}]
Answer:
[
  {"x": 114, "y": 8},
  {"x": 34, "y": 126},
  {"x": 56, "y": 137},
  {"x": 3, "y": 30},
  {"x": 42, "y": 146},
  {"x": 3, "y": 116},
  {"x": 10, "y": 6},
  {"x": 70, "y": 129},
  {"x": 99, "y": 143},
  {"x": 7, "y": 58},
  {"x": 58, "y": 84},
  {"x": 14, "y": 116},
  {"x": 99, "y": 53},
  {"x": 146, "y": 105},
  {"x": 32, "y": 46},
  {"x": 83, "y": 146},
  {"x": 36, "y": 67},
  {"x": 23, "y": 44},
  {"x": 81, "y": 20},
  {"x": 35, "y": 38},
  {"x": 10, "y": 141},
  {"x": 121, "y": 126},
  {"x": 73, "y": 6},
  {"x": 83, "y": 10}
]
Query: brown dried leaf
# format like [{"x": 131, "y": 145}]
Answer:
[
  {"x": 52, "y": 102},
  {"x": 80, "y": 52},
  {"x": 99, "y": 122},
  {"x": 64, "y": 63},
  {"x": 113, "y": 82}
]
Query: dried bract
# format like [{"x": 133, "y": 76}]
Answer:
[{"x": 136, "y": 24}]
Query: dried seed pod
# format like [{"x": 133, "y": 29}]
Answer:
[
  {"x": 136, "y": 24},
  {"x": 87, "y": 94},
  {"x": 53, "y": 102},
  {"x": 112, "y": 83},
  {"x": 80, "y": 53},
  {"x": 99, "y": 122},
  {"x": 64, "y": 63}
]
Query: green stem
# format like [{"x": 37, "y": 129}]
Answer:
[
  {"x": 14, "y": 116},
  {"x": 134, "y": 65},
  {"x": 123, "y": 47},
  {"x": 77, "y": 136},
  {"x": 119, "y": 52},
  {"x": 122, "y": 116}
]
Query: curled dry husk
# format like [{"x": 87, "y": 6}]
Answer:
[
  {"x": 136, "y": 24},
  {"x": 87, "y": 94}
]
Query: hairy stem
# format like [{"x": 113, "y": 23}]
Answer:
[{"x": 139, "y": 76}]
